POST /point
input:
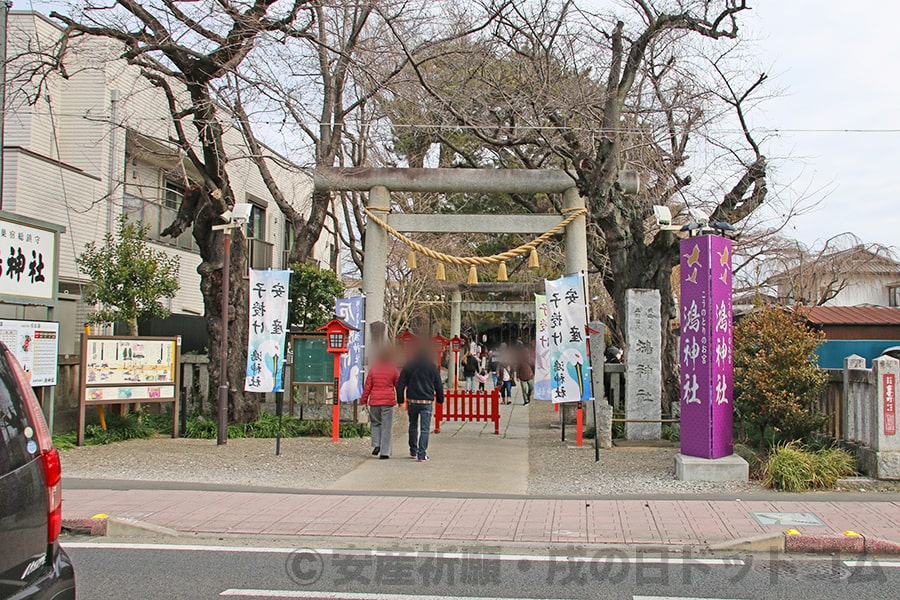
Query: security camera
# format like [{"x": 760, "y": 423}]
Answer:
[{"x": 226, "y": 216}]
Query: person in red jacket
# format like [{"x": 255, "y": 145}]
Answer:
[{"x": 380, "y": 395}]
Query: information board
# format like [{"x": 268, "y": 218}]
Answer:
[
  {"x": 35, "y": 345},
  {"x": 126, "y": 362},
  {"x": 122, "y": 370},
  {"x": 312, "y": 362}
]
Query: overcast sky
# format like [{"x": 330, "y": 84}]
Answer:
[{"x": 837, "y": 63}]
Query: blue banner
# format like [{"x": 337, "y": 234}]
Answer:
[
  {"x": 268, "y": 325},
  {"x": 352, "y": 311}
]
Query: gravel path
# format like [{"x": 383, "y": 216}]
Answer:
[
  {"x": 305, "y": 463},
  {"x": 558, "y": 469}
]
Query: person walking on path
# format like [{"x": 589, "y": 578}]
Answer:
[
  {"x": 420, "y": 385},
  {"x": 525, "y": 372},
  {"x": 504, "y": 379},
  {"x": 482, "y": 379},
  {"x": 380, "y": 395},
  {"x": 470, "y": 369}
]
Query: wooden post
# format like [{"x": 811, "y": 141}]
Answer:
[{"x": 336, "y": 408}]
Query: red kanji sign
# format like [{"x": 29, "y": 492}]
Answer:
[{"x": 890, "y": 404}]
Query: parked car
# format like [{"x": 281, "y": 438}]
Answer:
[{"x": 32, "y": 563}]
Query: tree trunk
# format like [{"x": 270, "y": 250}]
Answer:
[
  {"x": 635, "y": 264},
  {"x": 307, "y": 233},
  {"x": 242, "y": 407}
]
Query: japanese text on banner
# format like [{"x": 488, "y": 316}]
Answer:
[
  {"x": 268, "y": 325},
  {"x": 541, "y": 349},
  {"x": 351, "y": 311},
  {"x": 570, "y": 377}
]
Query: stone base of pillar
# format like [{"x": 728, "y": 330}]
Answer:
[
  {"x": 887, "y": 465},
  {"x": 604, "y": 424},
  {"x": 727, "y": 468}
]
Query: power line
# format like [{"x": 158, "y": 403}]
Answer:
[{"x": 501, "y": 128}]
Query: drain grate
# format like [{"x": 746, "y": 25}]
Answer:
[{"x": 810, "y": 571}]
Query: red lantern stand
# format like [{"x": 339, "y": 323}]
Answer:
[
  {"x": 338, "y": 334},
  {"x": 407, "y": 341},
  {"x": 455, "y": 345},
  {"x": 440, "y": 345}
]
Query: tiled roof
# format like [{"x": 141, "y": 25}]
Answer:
[{"x": 850, "y": 315}]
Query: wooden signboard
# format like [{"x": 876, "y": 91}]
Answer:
[{"x": 125, "y": 370}]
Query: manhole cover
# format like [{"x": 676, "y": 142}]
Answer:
[
  {"x": 788, "y": 519},
  {"x": 811, "y": 571}
]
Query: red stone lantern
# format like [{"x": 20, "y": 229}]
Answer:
[
  {"x": 407, "y": 341},
  {"x": 337, "y": 333},
  {"x": 440, "y": 345},
  {"x": 455, "y": 345}
]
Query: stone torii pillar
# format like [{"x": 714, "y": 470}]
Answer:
[
  {"x": 375, "y": 264},
  {"x": 455, "y": 326},
  {"x": 576, "y": 234}
]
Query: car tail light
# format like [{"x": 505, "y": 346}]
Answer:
[{"x": 49, "y": 454}]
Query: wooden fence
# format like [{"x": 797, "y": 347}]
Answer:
[{"x": 194, "y": 384}]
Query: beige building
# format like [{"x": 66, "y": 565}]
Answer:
[{"x": 96, "y": 144}]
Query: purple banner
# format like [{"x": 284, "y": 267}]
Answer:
[{"x": 707, "y": 361}]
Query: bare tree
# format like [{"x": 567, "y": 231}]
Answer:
[
  {"x": 815, "y": 275},
  {"x": 187, "y": 53},
  {"x": 594, "y": 92}
]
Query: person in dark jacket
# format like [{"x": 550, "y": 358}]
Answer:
[
  {"x": 525, "y": 371},
  {"x": 470, "y": 369},
  {"x": 420, "y": 385},
  {"x": 380, "y": 395}
]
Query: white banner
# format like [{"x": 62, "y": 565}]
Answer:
[
  {"x": 541, "y": 349},
  {"x": 268, "y": 325},
  {"x": 35, "y": 344},
  {"x": 27, "y": 256},
  {"x": 570, "y": 371}
]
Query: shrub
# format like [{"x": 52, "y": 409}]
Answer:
[
  {"x": 777, "y": 382},
  {"x": 753, "y": 458},
  {"x": 793, "y": 468}
]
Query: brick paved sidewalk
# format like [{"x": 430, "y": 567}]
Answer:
[{"x": 500, "y": 520}]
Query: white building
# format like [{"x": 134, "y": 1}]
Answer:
[
  {"x": 853, "y": 277},
  {"x": 97, "y": 143}
]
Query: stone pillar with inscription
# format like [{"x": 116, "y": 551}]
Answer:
[
  {"x": 707, "y": 363},
  {"x": 886, "y": 371},
  {"x": 643, "y": 364}
]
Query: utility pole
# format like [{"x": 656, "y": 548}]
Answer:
[{"x": 5, "y": 5}]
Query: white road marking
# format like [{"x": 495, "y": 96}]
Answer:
[
  {"x": 673, "y": 598},
  {"x": 877, "y": 564},
  {"x": 251, "y": 593},
  {"x": 616, "y": 558}
]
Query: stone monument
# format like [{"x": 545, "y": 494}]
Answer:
[
  {"x": 643, "y": 364},
  {"x": 603, "y": 412}
]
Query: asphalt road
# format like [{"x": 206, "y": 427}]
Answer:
[{"x": 147, "y": 572}]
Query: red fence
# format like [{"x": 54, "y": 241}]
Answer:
[{"x": 469, "y": 406}]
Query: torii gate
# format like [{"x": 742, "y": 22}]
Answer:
[{"x": 379, "y": 182}]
